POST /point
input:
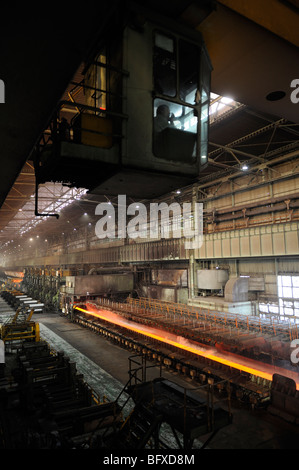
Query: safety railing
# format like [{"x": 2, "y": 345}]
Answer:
[{"x": 241, "y": 322}]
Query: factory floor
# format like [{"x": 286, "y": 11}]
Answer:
[{"x": 105, "y": 367}]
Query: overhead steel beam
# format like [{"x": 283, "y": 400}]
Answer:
[{"x": 279, "y": 17}]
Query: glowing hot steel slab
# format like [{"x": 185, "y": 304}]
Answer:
[{"x": 234, "y": 361}]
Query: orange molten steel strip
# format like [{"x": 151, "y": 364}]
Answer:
[{"x": 262, "y": 370}]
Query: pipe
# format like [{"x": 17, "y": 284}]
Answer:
[{"x": 261, "y": 210}]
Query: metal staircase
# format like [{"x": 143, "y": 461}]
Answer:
[{"x": 142, "y": 425}]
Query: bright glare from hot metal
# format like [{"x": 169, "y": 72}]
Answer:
[{"x": 240, "y": 363}]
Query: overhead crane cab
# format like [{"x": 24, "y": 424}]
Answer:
[
  {"x": 144, "y": 128},
  {"x": 167, "y": 102}
]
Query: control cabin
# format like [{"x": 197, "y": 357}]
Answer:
[{"x": 143, "y": 129}]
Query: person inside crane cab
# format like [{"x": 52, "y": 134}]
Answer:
[
  {"x": 163, "y": 118},
  {"x": 174, "y": 136}
]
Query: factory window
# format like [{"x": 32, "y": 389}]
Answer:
[{"x": 288, "y": 293}]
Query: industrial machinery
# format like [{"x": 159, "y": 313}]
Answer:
[
  {"x": 143, "y": 127},
  {"x": 44, "y": 401},
  {"x": 20, "y": 300},
  {"x": 211, "y": 281},
  {"x": 43, "y": 284},
  {"x": 19, "y": 328},
  {"x": 78, "y": 289},
  {"x": 189, "y": 413},
  {"x": 48, "y": 405}
]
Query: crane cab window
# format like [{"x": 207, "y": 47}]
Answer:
[
  {"x": 175, "y": 131},
  {"x": 165, "y": 65},
  {"x": 189, "y": 61},
  {"x": 176, "y": 68},
  {"x": 174, "y": 115}
]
